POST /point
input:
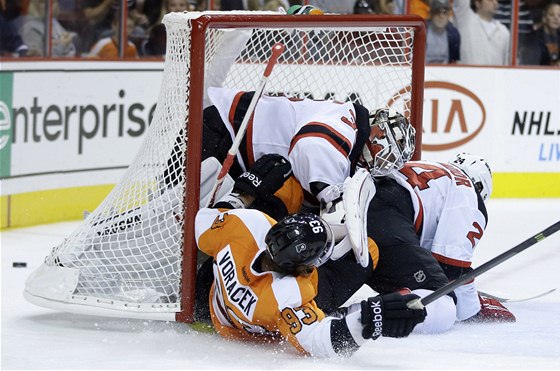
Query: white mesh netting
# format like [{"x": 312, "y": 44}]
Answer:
[{"x": 129, "y": 249}]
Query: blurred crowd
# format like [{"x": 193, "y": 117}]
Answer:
[{"x": 458, "y": 31}]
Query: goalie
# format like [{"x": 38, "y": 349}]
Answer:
[
  {"x": 325, "y": 141},
  {"x": 265, "y": 275}
]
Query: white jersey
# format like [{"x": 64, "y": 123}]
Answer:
[
  {"x": 315, "y": 136},
  {"x": 446, "y": 208}
]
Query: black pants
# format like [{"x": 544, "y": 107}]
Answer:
[
  {"x": 402, "y": 261},
  {"x": 339, "y": 280}
]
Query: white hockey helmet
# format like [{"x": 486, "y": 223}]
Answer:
[
  {"x": 478, "y": 170},
  {"x": 390, "y": 144}
]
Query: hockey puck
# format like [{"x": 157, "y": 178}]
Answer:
[{"x": 19, "y": 264}]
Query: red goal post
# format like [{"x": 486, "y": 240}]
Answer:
[{"x": 135, "y": 256}]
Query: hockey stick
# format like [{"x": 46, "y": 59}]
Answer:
[
  {"x": 421, "y": 303},
  {"x": 277, "y": 50},
  {"x": 509, "y": 300}
]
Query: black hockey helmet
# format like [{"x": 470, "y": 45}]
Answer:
[{"x": 300, "y": 240}]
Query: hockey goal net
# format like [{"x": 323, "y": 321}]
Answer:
[{"x": 135, "y": 255}]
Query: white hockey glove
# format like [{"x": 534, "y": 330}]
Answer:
[
  {"x": 358, "y": 193},
  {"x": 346, "y": 213}
]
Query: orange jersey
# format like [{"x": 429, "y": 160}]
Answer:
[
  {"x": 246, "y": 303},
  {"x": 108, "y": 48}
]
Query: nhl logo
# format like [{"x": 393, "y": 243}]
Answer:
[
  {"x": 420, "y": 276},
  {"x": 301, "y": 247}
]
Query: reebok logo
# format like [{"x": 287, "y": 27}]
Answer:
[
  {"x": 377, "y": 320},
  {"x": 255, "y": 180}
]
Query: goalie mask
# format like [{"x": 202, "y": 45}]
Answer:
[
  {"x": 478, "y": 170},
  {"x": 390, "y": 144},
  {"x": 300, "y": 240}
]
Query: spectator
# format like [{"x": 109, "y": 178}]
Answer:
[
  {"x": 484, "y": 40},
  {"x": 71, "y": 17},
  {"x": 544, "y": 43},
  {"x": 157, "y": 41},
  {"x": 232, "y": 5},
  {"x": 152, "y": 9},
  {"x": 382, "y": 6},
  {"x": 12, "y": 9},
  {"x": 362, "y": 7},
  {"x": 374, "y": 6},
  {"x": 202, "y": 5},
  {"x": 11, "y": 43},
  {"x": 525, "y": 21},
  {"x": 100, "y": 14},
  {"x": 443, "y": 40},
  {"x": 421, "y": 8},
  {"x": 178, "y": 6},
  {"x": 33, "y": 32},
  {"x": 108, "y": 47},
  {"x": 275, "y": 5},
  {"x": 169, "y": 6}
]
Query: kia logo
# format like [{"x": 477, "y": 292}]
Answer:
[{"x": 453, "y": 115}]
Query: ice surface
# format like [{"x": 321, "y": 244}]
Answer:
[{"x": 36, "y": 338}]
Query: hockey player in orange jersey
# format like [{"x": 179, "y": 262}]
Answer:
[{"x": 265, "y": 275}]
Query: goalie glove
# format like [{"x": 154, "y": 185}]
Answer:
[
  {"x": 265, "y": 177},
  {"x": 491, "y": 310},
  {"x": 388, "y": 315}
]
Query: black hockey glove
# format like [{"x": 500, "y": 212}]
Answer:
[
  {"x": 388, "y": 315},
  {"x": 265, "y": 177}
]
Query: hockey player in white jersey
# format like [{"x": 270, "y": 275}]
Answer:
[
  {"x": 427, "y": 219},
  {"x": 265, "y": 275},
  {"x": 323, "y": 140}
]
